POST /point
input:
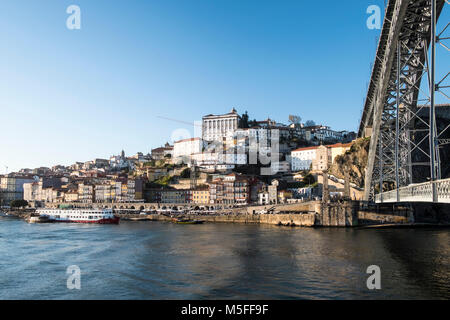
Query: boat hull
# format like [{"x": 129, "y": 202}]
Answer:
[
  {"x": 114, "y": 220},
  {"x": 188, "y": 222}
]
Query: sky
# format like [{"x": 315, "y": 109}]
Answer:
[{"x": 75, "y": 95}]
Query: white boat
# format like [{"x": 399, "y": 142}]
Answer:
[{"x": 103, "y": 216}]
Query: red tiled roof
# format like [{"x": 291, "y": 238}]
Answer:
[
  {"x": 307, "y": 148},
  {"x": 340, "y": 145}
]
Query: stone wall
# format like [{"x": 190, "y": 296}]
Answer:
[
  {"x": 343, "y": 214},
  {"x": 377, "y": 218},
  {"x": 299, "y": 220}
]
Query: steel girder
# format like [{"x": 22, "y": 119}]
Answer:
[{"x": 392, "y": 108}]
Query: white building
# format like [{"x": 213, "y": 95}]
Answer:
[
  {"x": 301, "y": 159},
  {"x": 11, "y": 188},
  {"x": 325, "y": 133},
  {"x": 280, "y": 167},
  {"x": 218, "y": 127},
  {"x": 31, "y": 191},
  {"x": 184, "y": 149},
  {"x": 120, "y": 161},
  {"x": 219, "y": 161}
]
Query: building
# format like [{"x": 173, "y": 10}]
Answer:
[
  {"x": 317, "y": 158},
  {"x": 71, "y": 196},
  {"x": 11, "y": 188},
  {"x": 263, "y": 198},
  {"x": 325, "y": 155},
  {"x": 43, "y": 190},
  {"x": 174, "y": 196},
  {"x": 323, "y": 159},
  {"x": 219, "y": 127},
  {"x": 280, "y": 167},
  {"x": 101, "y": 163},
  {"x": 120, "y": 190},
  {"x": 324, "y": 134},
  {"x": 162, "y": 152},
  {"x": 50, "y": 194},
  {"x": 200, "y": 196},
  {"x": 155, "y": 173},
  {"x": 272, "y": 191},
  {"x": 86, "y": 193},
  {"x": 31, "y": 191},
  {"x": 103, "y": 192},
  {"x": 118, "y": 162},
  {"x": 301, "y": 159},
  {"x": 284, "y": 196},
  {"x": 339, "y": 149},
  {"x": 232, "y": 189},
  {"x": 184, "y": 149}
]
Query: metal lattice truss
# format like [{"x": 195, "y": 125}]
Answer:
[{"x": 397, "y": 108}]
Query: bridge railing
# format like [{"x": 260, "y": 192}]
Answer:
[{"x": 421, "y": 192}]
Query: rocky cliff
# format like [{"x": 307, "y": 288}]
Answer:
[{"x": 354, "y": 161}]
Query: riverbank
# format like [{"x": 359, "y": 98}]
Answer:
[{"x": 313, "y": 214}]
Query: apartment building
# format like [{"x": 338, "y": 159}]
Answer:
[
  {"x": 86, "y": 193},
  {"x": 200, "y": 196},
  {"x": 232, "y": 189}
]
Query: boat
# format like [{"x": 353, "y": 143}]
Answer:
[
  {"x": 187, "y": 221},
  {"x": 38, "y": 219},
  {"x": 100, "y": 216}
]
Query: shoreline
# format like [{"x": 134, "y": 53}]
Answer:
[{"x": 310, "y": 220}]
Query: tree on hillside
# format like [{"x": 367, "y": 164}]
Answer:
[
  {"x": 310, "y": 123},
  {"x": 19, "y": 203},
  {"x": 186, "y": 173},
  {"x": 243, "y": 122},
  {"x": 295, "y": 119},
  {"x": 309, "y": 179}
]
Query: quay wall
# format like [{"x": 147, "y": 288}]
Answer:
[
  {"x": 299, "y": 220},
  {"x": 341, "y": 214},
  {"x": 314, "y": 214}
]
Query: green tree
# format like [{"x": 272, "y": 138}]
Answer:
[
  {"x": 19, "y": 203},
  {"x": 243, "y": 122},
  {"x": 186, "y": 173},
  {"x": 309, "y": 179}
]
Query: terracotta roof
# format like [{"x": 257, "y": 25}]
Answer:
[
  {"x": 340, "y": 145},
  {"x": 306, "y": 148}
]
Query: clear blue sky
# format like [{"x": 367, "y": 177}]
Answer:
[{"x": 77, "y": 95}]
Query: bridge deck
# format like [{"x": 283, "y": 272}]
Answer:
[{"x": 422, "y": 192}]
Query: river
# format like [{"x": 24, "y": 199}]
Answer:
[{"x": 158, "y": 260}]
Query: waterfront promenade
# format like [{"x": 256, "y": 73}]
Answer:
[{"x": 307, "y": 214}]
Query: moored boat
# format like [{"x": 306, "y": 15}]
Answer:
[
  {"x": 38, "y": 219},
  {"x": 100, "y": 216},
  {"x": 187, "y": 221}
]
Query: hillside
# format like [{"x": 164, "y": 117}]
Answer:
[{"x": 355, "y": 160}]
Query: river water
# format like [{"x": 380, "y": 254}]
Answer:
[{"x": 157, "y": 260}]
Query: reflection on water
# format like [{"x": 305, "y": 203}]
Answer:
[{"x": 149, "y": 260}]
